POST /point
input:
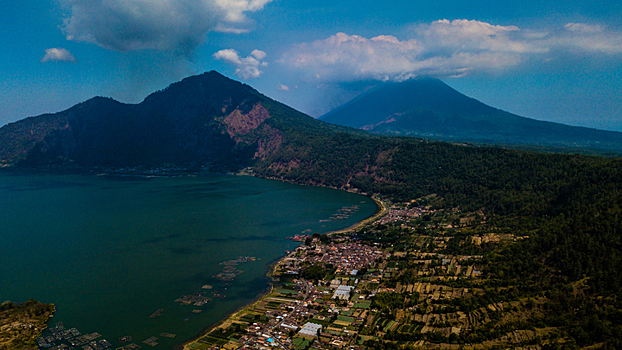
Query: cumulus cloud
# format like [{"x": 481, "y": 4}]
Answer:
[
  {"x": 474, "y": 36},
  {"x": 174, "y": 25},
  {"x": 283, "y": 87},
  {"x": 56, "y": 54},
  {"x": 441, "y": 48},
  {"x": 258, "y": 54},
  {"x": 247, "y": 67}
]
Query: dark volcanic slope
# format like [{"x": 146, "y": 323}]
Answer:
[
  {"x": 430, "y": 108},
  {"x": 205, "y": 120}
]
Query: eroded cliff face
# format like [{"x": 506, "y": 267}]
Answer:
[
  {"x": 240, "y": 123},
  {"x": 246, "y": 126}
]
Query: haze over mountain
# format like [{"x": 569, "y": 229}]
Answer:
[{"x": 429, "y": 108}]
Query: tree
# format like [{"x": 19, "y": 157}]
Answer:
[{"x": 314, "y": 272}]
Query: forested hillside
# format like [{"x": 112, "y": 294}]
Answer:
[{"x": 569, "y": 206}]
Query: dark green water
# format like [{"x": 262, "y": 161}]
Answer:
[{"x": 110, "y": 251}]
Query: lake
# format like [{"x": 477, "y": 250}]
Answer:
[{"x": 109, "y": 251}]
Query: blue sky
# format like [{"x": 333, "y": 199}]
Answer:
[{"x": 550, "y": 60}]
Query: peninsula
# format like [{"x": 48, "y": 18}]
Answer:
[{"x": 21, "y": 324}]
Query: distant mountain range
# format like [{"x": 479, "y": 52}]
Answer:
[{"x": 431, "y": 109}]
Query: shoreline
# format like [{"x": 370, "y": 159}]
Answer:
[
  {"x": 382, "y": 210},
  {"x": 209, "y": 329},
  {"x": 185, "y": 345}
]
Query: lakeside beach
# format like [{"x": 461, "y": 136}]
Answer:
[{"x": 262, "y": 299}]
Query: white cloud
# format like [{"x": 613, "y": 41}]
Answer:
[
  {"x": 584, "y": 28},
  {"x": 474, "y": 36},
  {"x": 247, "y": 67},
  {"x": 258, "y": 54},
  {"x": 58, "y": 55},
  {"x": 353, "y": 55},
  {"x": 225, "y": 29},
  {"x": 228, "y": 55},
  {"x": 441, "y": 48},
  {"x": 283, "y": 87},
  {"x": 590, "y": 38},
  {"x": 175, "y": 25}
]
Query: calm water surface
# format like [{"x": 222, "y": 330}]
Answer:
[{"x": 109, "y": 251}]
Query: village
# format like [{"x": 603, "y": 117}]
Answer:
[
  {"x": 353, "y": 290},
  {"x": 408, "y": 276}
]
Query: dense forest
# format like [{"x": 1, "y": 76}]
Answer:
[{"x": 569, "y": 205}]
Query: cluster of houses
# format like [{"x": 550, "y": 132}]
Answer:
[
  {"x": 340, "y": 311},
  {"x": 346, "y": 257},
  {"x": 398, "y": 214}
]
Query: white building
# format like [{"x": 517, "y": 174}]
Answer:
[
  {"x": 343, "y": 292},
  {"x": 310, "y": 329}
]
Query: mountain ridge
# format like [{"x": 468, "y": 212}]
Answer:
[
  {"x": 206, "y": 120},
  {"x": 429, "y": 108}
]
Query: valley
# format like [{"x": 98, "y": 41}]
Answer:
[{"x": 480, "y": 244}]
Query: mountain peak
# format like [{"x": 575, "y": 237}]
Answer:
[
  {"x": 210, "y": 77},
  {"x": 203, "y": 120},
  {"x": 209, "y": 85},
  {"x": 396, "y": 98},
  {"x": 430, "y": 108}
]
